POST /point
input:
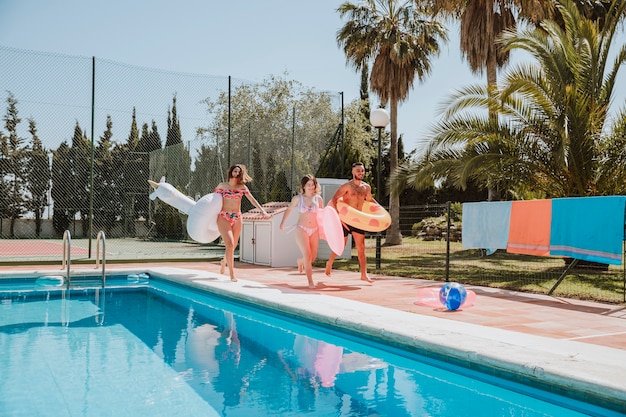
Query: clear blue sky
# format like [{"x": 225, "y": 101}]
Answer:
[{"x": 246, "y": 39}]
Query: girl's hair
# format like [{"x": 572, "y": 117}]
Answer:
[
  {"x": 243, "y": 178},
  {"x": 307, "y": 178}
]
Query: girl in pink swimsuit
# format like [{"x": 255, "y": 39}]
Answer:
[
  {"x": 229, "y": 220},
  {"x": 307, "y": 231}
]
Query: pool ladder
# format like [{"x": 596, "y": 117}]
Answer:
[
  {"x": 101, "y": 238},
  {"x": 67, "y": 258}
]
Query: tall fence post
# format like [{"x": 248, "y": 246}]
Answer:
[
  {"x": 448, "y": 204},
  {"x": 93, "y": 103}
]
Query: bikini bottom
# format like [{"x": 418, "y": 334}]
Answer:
[
  {"x": 308, "y": 230},
  {"x": 231, "y": 217}
]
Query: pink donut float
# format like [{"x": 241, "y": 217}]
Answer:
[{"x": 372, "y": 217}]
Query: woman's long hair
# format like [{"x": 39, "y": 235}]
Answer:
[{"x": 243, "y": 178}]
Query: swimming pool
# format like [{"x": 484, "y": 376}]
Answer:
[{"x": 162, "y": 349}]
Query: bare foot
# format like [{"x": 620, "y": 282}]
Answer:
[
  {"x": 328, "y": 268},
  {"x": 300, "y": 266},
  {"x": 222, "y": 266},
  {"x": 233, "y": 279},
  {"x": 312, "y": 285},
  {"x": 366, "y": 279}
]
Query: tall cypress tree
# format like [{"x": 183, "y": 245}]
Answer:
[
  {"x": 62, "y": 188},
  {"x": 177, "y": 158},
  {"x": 129, "y": 176},
  {"x": 80, "y": 157},
  {"x": 107, "y": 204},
  {"x": 16, "y": 165},
  {"x": 133, "y": 135},
  {"x": 38, "y": 176},
  {"x": 4, "y": 183},
  {"x": 260, "y": 184}
]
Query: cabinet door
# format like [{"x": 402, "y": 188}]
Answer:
[
  {"x": 263, "y": 243},
  {"x": 246, "y": 243}
]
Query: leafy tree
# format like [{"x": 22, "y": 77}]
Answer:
[
  {"x": 361, "y": 145},
  {"x": 281, "y": 191},
  {"x": 177, "y": 158},
  {"x": 62, "y": 191},
  {"x": 80, "y": 159},
  {"x": 38, "y": 177},
  {"x": 483, "y": 22},
  {"x": 169, "y": 224},
  {"x": 206, "y": 174},
  {"x": 106, "y": 202},
  {"x": 259, "y": 186},
  {"x": 133, "y": 135},
  {"x": 4, "y": 183},
  {"x": 271, "y": 171},
  {"x": 174, "y": 135},
  {"x": 400, "y": 40},
  {"x": 277, "y": 116},
  {"x": 16, "y": 167},
  {"x": 550, "y": 138}
]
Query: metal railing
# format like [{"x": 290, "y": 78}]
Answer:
[
  {"x": 101, "y": 237},
  {"x": 67, "y": 257}
]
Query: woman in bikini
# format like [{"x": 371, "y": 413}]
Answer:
[
  {"x": 229, "y": 220},
  {"x": 307, "y": 232}
]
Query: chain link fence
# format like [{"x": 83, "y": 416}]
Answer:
[{"x": 82, "y": 136}]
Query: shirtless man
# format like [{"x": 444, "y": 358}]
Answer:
[{"x": 355, "y": 192}]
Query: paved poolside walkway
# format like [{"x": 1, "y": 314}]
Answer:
[
  {"x": 534, "y": 314},
  {"x": 563, "y": 345}
]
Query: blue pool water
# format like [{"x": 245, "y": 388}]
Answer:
[{"x": 150, "y": 348}]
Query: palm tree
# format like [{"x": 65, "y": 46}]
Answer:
[
  {"x": 481, "y": 23},
  {"x": 400, "y": 40},
  {"x": 550, "y": 135}
]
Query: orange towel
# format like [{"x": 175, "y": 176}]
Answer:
[{"x": 529, "y": 228}]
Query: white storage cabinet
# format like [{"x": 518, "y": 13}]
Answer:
[{"x": 263, "y": 243}]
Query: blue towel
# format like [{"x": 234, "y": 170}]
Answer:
[
  {"x": 588, "y": 228},
  {"x": 486, "y": 225}
]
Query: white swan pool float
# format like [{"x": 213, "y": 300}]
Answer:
[{"x": 202, "y": 214}]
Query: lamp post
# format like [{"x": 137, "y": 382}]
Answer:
[{"x": 379, "y": 118}]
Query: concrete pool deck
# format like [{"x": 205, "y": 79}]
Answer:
[{"x": 572, "y": 345}]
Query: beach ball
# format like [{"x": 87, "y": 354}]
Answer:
[{"x": 452, "y": 295}]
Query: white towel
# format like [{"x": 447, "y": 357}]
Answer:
[{"x": 486, "y": 225}]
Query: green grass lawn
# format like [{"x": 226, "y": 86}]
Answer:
[{"x": 416, "y": 258}]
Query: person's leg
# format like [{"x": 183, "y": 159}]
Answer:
[
  {"x": 314, "y": 241},
  {"x": 302, "y": 239},
  {"x": 226, "y": 231},
  {"x": 333, "y": 255},
  {"x": 237, "y": 226},
  {"x": 359, "y": 241}
]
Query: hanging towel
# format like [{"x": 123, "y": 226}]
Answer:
[
  {"x": 588, "y": 228},
  {"x": 529, "y": 230},
  {"x": 486, "y": 225}
]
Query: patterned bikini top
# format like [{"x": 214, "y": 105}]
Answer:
[
  {"x": 226, "y": 193},
  {"x": 303, "y": 208}
]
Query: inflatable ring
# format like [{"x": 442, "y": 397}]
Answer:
[
  {"x": 331, "y": 229},
  {"x": 372, "y": 217}
]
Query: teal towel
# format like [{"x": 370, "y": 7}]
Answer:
[{"x": 588, "y": 228}]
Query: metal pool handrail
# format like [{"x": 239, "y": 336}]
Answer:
[
  {"x": 67, "y": 258},
  {"x": 102, "y": 237}
]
